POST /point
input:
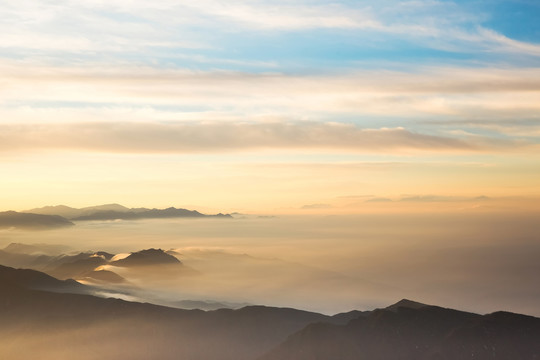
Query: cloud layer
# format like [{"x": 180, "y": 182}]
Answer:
[{"x": 219, "y": 137}]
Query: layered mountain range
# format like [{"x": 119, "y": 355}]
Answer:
[
  {"x": 62, "y": 216},
  {"x": 95, "y": 267},
  {"x": 39, "y": 313}
]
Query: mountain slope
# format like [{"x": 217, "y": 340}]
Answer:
[
  {"x": 35, "y": 280},
  {"x": 414, "y": 331},
  {"x": 69, "y": 326},
  {"x": 13, "y": 219},
  {"x": 65, "y": 326}
]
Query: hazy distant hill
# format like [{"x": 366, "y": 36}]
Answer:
[
  {"x": 146, "y": 214},
  {"x": 414, "y": 331},
  {"x": 13, "y": 219},
  {"x": 70, "y": 213},
  {"x": 87, "y": 266},
  {"x": 119, "y": 212},
  {"x": 146, "y": 258},
  {"x": 39, "y": 249}
]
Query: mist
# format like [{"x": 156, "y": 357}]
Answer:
[{"x": 476, "y": 261}]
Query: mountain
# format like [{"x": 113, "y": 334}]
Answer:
[
  {"x": 24, "y": 260},
  {"x": 413, "y": 331},
  {"x": 35, "y": 249},
  {"x": 13, "y": 219},
  {"x": 204, "y": 305},
  {"x": 70, "y": 213},
  {"x": 78, "y": 268},
  {"x": 83, "y": 266},
  {"x": 102, "y": 277},
  {"x": 146, "y": 258},
  {"x": 36, "y": 280},
  {"x": 65, "y": 326},
  {"x": 146, "y": 214},
  {"x": 73, "y": 326},
  {"x": 61, "y": 210},
  {"x": 90, "y": 266},
  {"x": 118, "y": 212}
]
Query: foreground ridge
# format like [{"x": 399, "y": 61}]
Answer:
[{"x": 58, "y": 317}]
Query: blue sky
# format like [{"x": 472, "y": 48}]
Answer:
[{"x": 291, "y": 36}]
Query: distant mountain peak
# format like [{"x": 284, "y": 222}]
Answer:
[
  {"x": 147, "y": 257},
  {"x": 406, "y": 303}
]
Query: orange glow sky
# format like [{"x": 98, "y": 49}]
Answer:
[{"x": 284, "y": 107}]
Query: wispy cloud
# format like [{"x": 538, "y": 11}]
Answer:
[
  {"x": 29, "y": 89},
  {"x": 128, "y": 137},
  {"x": 279, "y": 16},
  {"x": 316, "y": 206},
  {"x": 141, "y": 31},
  {"x": 441, "y": 198},
  {"x": 502, "y": 43}
]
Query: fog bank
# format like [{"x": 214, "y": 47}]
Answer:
[{"x": 476, "y": 262}]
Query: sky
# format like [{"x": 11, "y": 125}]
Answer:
[{"x": 293, "y": 107}]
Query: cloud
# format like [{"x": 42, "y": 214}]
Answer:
[
  {"x": 291, "y": 16},
  {"x": 125, "y": 137},
  {"x": 379, "y": 199},
  {"x": 139, "y": 30},
  {"x": 503, "y": 43},
  {"x": 442, "y": 198},
  {"x": 33, "y": 91},
  {"x": 316, "y": 206}
]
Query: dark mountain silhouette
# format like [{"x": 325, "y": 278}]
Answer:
[
  {"x": 410, "y": 330},
  {"x": 13, "y": 219},
  {"x": 36, "y": 280},
  {"x": 405, "y": 303},
  {"x": 65, "y": 325},
  {"x": 344, "y": 318},
  {"x": 146, "y": 258},
  {"x": 205, "y": 305}
]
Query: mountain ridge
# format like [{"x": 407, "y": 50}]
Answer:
[
  {"x": 119, "y": 212},
  {"x": 62, "y": 325},
  {"x": 409, "y": 330},
  {"x": 20, "y": 220}
]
